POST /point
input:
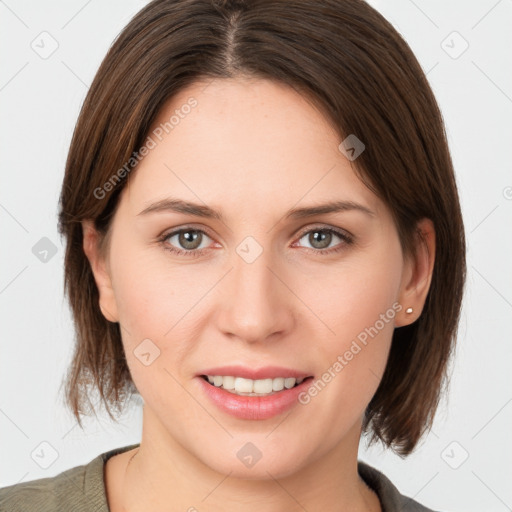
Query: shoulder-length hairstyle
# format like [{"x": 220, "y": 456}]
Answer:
[{"x": 358, "y": 71}]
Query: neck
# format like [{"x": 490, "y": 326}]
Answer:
[{"x": 163, "y": 472}]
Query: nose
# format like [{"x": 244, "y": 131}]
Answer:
[{"x": 255, "y": 302}]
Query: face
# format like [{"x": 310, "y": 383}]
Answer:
[{"x": 252, "y": 287}]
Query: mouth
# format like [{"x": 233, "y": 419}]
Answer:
[
  {"x": 250, "y": 393},
  {"x": 254, "y": 387}
]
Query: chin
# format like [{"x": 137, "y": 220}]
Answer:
[{"x": 252, "y": 457}]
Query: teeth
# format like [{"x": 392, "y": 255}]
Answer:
[{"x": 260, "y": 387}]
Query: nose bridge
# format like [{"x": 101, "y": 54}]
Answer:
[{"x": 255, "y": 305}]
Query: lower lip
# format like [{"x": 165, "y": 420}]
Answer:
[{"x": 254, "y": 407}]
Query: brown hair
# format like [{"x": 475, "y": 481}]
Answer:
[{"x": 346, "y": 58}]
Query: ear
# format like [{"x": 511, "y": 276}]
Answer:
[
  {"x": 100, "y": 270},
  {"x": 417, "y": 274}
]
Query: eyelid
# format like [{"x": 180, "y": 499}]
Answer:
[
  {"x": 174, "y": 231},
  {"x": 324, "y": 227}
]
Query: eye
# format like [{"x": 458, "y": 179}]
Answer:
[
  {"x": 192, "y": 242},
  {"x": 185, "y": 241},
  {"x": 320, "y": 239}
]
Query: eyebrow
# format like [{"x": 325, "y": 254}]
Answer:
[{"x": 199, "y": 210}]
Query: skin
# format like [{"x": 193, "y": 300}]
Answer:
[{"x": 246, "y": 143}]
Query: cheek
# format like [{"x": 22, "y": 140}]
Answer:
[
  {"x": 153, "y": 305},
  {"x": 158, "y": 305},
  {"x": 153, "y": 294},
  {"x": 352, "y": 295},
  {"x": 357, "y": 306}
]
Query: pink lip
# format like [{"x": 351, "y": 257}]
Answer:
[
  {"x": 253, "y": 407},
  {"x": 268, "y": 372}
]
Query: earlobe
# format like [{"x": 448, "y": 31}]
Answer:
[
  {"x": 99, "y": 267},
  {"x": 417, "y": 275}
]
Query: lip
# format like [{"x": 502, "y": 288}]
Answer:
[
  {"x": 253, "y": 407},
  {"x": 268, "y": 372}
]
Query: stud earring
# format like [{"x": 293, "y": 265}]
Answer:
[{"x": 408, "y": 311}]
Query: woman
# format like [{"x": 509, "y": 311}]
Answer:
[{"x": 264, "y": 240}]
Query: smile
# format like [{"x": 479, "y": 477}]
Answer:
[
  {"x": 243, "y": 401},
  {"x": 249, "y": 387}
]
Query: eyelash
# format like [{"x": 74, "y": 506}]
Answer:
[{"x": 195, "y": 253}]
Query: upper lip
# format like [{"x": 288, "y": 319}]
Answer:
[{"x": 266, "y": 372}]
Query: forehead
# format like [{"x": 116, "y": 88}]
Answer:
[{"x": 250, "y": 142}]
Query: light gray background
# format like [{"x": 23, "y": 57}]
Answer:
[{"x": 40, "y": 100}]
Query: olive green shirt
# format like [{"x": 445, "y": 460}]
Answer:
[{"x": 82, "y": 489}]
